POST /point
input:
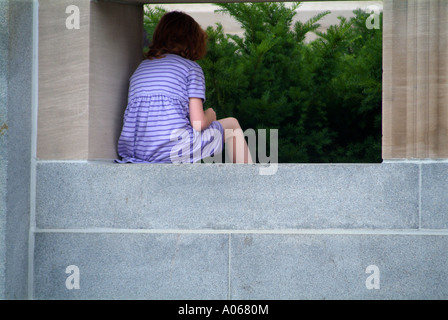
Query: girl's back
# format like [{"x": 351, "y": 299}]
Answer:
[
  {"x": 158, "y": 107},
  {"x": 171, "y": 75}
]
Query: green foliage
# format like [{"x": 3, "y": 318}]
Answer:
[
  {"x": 324, "y": 96},
  {"x": 151, "y": 17}
]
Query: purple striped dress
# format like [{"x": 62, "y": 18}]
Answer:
[{"x": 156, "y": 126}]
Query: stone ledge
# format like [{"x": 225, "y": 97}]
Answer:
[{"x": 101, "y": 194}]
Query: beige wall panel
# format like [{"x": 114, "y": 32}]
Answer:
[
  {"x": 419, "y": 143},
  {"x": 433, "y": 147},
  {"x": 116, "y": 50},
  {"x": 63, "y": 81},
  {"x": 409, "y": 78},
  {"x": 395, "y": 65},
  {"x": 387, "y": 80},
  {"x": 442, "y": 93},
  {"x": 415, "y": 106}
]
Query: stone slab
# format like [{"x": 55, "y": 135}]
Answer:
[
  {"x": 131, "y": 266},
  {"x": 225, "y": 196},
  {"x": 434, "y": 211},
  {"x": 333, "y": 266}
]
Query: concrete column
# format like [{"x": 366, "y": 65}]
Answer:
[
  {"x": 16, "y": 98},
  {"x": 87, "y": 52},
  {"x": 415, "y": 79}
]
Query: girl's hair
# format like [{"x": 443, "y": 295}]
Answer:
[{"x": 180, "y": 34}]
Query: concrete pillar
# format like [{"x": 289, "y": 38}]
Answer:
[
  {"x": 83, "y": 75},
  {"x": 16, "y": 91},
  {"x": 415, "y": 79}
]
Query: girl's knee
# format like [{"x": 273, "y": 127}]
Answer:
[
  {"x": 231, "y": 127},
  {"x": 234, "y": 124}
]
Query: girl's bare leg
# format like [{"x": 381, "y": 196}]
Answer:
[{"x": 235, "y": 142}]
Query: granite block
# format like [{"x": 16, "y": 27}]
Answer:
[
  {"x": 434, "y": 196},
  {"x": 225, "y": 196},
  {"x": 335, "y": 266},
  {"x": 131, "y": 266}
]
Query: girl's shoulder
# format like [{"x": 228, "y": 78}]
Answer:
[
  {"x": 172, "y": 60},
  {"x": 182, "y": 61}
]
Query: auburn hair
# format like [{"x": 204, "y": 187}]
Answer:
[{"x": 180, "y": 34}]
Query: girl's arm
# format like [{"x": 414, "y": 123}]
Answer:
[{"x": 199, "y": 119}]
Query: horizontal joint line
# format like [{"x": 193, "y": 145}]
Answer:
[{"x": 442, "y": 232}]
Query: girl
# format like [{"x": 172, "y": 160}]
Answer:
[{"x": 164, "y": 121}]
